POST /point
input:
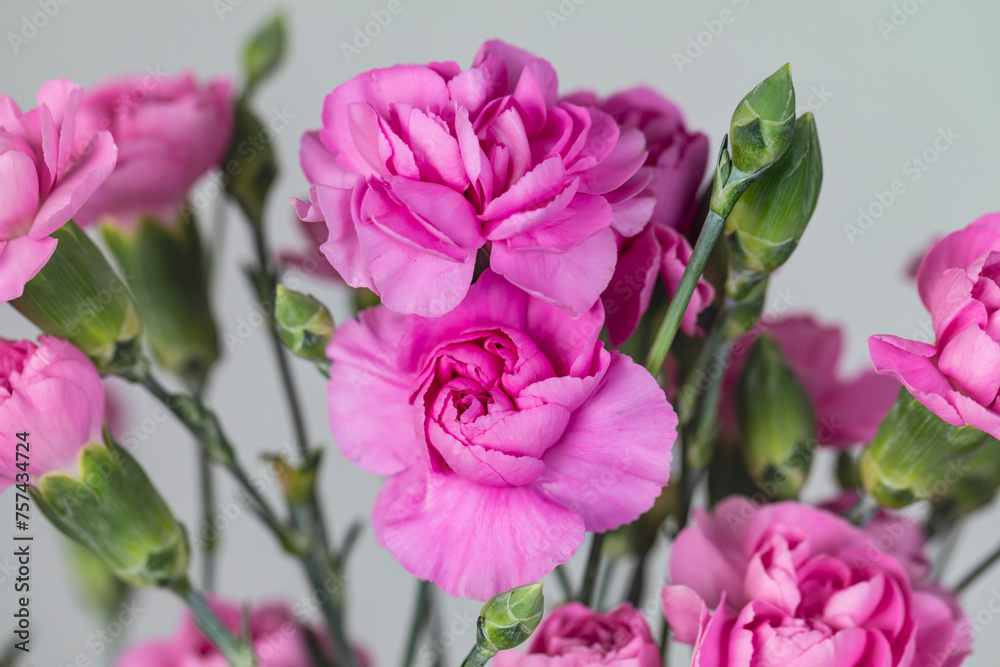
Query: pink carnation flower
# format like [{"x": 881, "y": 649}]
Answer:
[
  {"x": 958, "y": 377},
  {"x": 169, "y": 132},
  {"x": 279, "y": 640},
  {"x": 848, "y": 411},
  {"x": 54, "y": 392},
  {"x": 796, "y": 586},
  {"x": 47, "y": 171},
  {"x": 507, "y": 430},
  {"x": 667, "y": 186},
  {"x": 574, "y": 636},
  {"x": 419, "y": 168}
]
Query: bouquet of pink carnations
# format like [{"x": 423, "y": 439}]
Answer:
[{"x": 560, "y": 330}]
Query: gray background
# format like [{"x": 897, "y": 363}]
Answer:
[{"x": 887, "y": 96}]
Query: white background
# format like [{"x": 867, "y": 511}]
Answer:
[{"x": 888, "y": 94}]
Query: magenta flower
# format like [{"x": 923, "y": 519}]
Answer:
[
  {"x": 278, "y": 639},
  {"x": 54, "y": 392},
  {"x": 47, "y": 171},
  {"x": 651, "y": 245},
  {"x": 574, "y": 636},
  {"x": 796, "y": 586},
  {"x": 848, "y": 411},
  {"x": 507, "y": 430},
  {"x": 957, "y": 377},
  {"x": 419, "y": 168},
  {"x": 169, "y": 132}
]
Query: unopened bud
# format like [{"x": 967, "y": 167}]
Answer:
[
  {"x": 916, "y": 455},
  {"x": 767, "y": 222},
  {"x": 165, "y": 269},
  {"x": 763, "y": 122},
  {"x": 508, "y": 619},
  {"x": 304, "y": 324},
  {"x": 78, "y": 296},
  {"x": 777, "y": 422},
  {"x": 111, "y": 508}
]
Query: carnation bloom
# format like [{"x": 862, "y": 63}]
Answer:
[
  {"x": 277, "y": 637},
  {"x": 47, "y": 171},
  {"x": 573, "y": 636},
  {"x": 848, "y": 411},
  {"x": 419, "y": 168},
  {"x": 169, "y": 132},
  {"x": 53, "y": 392},
  {"x": 797, "y": 586},
  {"x": 507, "y": 430},
  {"x": 667, "y": 186},
  {"x": 957, "y": 377}
]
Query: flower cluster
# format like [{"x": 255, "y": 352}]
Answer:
[{"x": 541, "y": 278}]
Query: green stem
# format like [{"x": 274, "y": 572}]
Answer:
[
  {"x": 320, "y": 552},
  {"x": 682, "y": 297},
  {"x": 236, "y": 651},
  {"x": 208, "y": 535},
  {"x": 421, "y": 615},
  {"x": 978, "y": 571},
  {"x": 476, "y": 658},
  {"x": 564, "y": 582},
  {"x": 664, "y": 642},
  {"x": 593, "y": 566},
  {"x": 607, "y": 575}
]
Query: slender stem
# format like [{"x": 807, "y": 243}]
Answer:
[
  {"x": 638, "y": 582},
  {"x": 675, "y": 311},
  {"x": 951, "y": 541},
  {"x": 687, "y": 491},
  {"x": 590, "y": 573},
  {"x": 331, "y": 613},
  {"x": 607, "y": 575},
  {"x": 421, "y": 615},
  {"x": 978, "y": 571},
  {"x": 236, "y": 651},
  {"x": 476, "y": 658},
  {"x": 267, "y": 282},
  {"x": 320, "y": 553},
  {"x": 208, "y": 535},
  {"x": 564, "y": 582},
  {"x": 664, "y": 642}
]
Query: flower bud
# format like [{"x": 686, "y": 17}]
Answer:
[
  {"x": 916, "y": 455},
  {"x": 763, "y": 122},
  {"x": 767, "y": 222},
  {"x": 776, "y": 420},
  {"x": 264, "y": 52},
  {"x": 298, "y": 482},
  {"x": 164, "y": 266},
  {"x": 111, "y": 508},
  {"x": 304, "y": 324},
  {"x": 508, "y": 619},
  {"x": 77, "y": 296},
  {"x": 250, "y": 161}
]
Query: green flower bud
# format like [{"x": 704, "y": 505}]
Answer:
[
  {"x": 112, "y": 509},
  {"x": 303, "y": 323},
  {"x": 763, "y": 122},
  {"x": 916, "y": 455},
  {"x": 777, "y": 422},
  {"x": 165, "y": 269},
  {"x": 767, "y": 222},
  {"x": 250, "y": 161},
  {"x": 298, "y": 482},
  {"x": 508, "y": 619},
  {"x": 264, "y": 52},
  {"x": 77, "y": 296}
]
